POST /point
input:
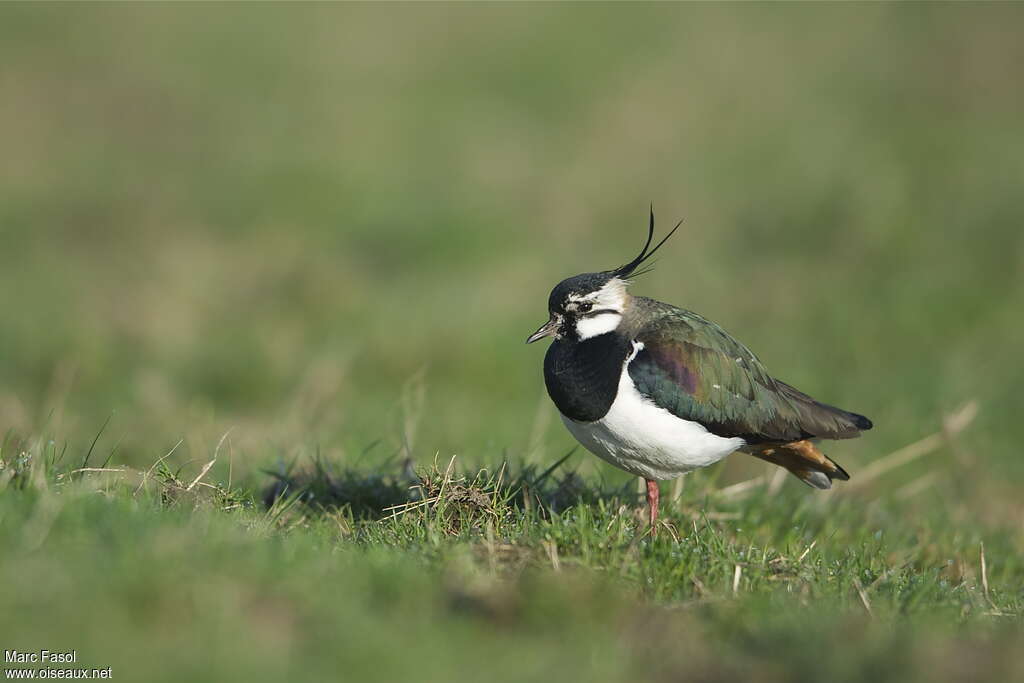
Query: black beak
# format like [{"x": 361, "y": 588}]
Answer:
[{"x": 548, "y": 329}]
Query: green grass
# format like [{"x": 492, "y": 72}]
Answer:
[
  {"x": 520, "y": 574},
  {"x": 307, "y": 242}
]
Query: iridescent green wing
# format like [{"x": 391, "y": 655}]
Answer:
[{"x": 692, "y": 367}]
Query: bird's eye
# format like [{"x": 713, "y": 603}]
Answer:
[{"x": 584, "y": 307}]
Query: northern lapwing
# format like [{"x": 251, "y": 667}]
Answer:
[{"x": 659, "y": 391}]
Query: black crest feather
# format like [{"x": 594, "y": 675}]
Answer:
[{"x": 627, "y": 270}]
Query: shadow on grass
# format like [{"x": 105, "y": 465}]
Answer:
[{"x": 398, "y": 489}]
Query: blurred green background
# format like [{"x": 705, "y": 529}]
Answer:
[
  {"x": 332, "y": 227},
  {"x": 301, "y": 221}
]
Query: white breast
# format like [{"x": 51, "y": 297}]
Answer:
[{"x": 638, "y": 436}]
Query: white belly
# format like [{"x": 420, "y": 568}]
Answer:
[{"x": 643, "y": 439}]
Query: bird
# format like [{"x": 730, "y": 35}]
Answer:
[{"x": 659, "y": 391}]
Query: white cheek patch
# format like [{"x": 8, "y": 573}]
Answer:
[
  {"x": 612, "y": 295},
  {"x": 598, "y": 324}
]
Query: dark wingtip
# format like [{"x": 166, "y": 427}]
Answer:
[
  {"x": 840, "y": 473},
  {"x": 860, "y": 422}
]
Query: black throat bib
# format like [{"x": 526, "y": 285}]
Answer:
[{"x": 582, "y": 377}]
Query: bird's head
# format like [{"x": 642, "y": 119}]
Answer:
[{"x": 590, "y": 304}]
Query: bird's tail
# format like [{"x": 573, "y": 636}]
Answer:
[{"x": 804, "y": 460}]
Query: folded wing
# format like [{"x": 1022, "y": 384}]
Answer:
[{"x": 691, "y": 367}]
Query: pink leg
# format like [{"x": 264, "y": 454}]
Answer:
[{"x": 652, "y": 501}]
